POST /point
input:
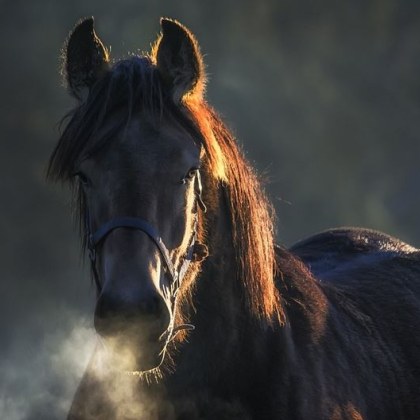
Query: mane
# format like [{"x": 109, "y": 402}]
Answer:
[
  {"x": 250, "y": 210},
  {"x": 134, "y": 85}
]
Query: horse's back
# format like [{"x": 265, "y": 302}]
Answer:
[
  {"x": 371, "y": 284},
  {"x": 342, "y": 250}
]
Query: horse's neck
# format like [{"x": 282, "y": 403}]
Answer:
[
  {"x": 221, "y": 293},
  {"x": 217, "y": 305},
  {"x": 230, "y": 347},
  {"x": 225, "y": 330}
]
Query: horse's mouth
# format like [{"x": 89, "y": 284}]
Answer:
[
  {"x": 131, "y": 354},
  {"x": 135, "y": 351}
]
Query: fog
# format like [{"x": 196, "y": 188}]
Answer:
[{"x": 39, "y": 376}]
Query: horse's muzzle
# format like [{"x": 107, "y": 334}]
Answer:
[{"x": 134, "y": 324}]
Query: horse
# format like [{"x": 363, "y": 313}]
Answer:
[{"x": 199, "y": 314}]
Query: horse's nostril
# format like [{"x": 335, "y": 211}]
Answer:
[
  {"x": 151, "y": 307},
  {"x": 114, "y": 314}
]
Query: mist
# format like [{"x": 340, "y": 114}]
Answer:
[{"x": 40, "y": 378}]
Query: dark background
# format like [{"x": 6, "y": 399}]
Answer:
[{"x": 324, "y": 96}]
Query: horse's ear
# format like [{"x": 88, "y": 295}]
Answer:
[
  {"x": 85, "y": 58},
  {"x": 179, "y": 61}
]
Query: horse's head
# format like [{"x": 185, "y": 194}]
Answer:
[
  {"x": 135, "y": 157},
  {"x": 134, "y": 148}
]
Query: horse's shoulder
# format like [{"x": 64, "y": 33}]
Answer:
[{"x": 325, "y": 251}]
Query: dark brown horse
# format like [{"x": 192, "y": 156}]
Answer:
[{"x": 199, "y": 315}]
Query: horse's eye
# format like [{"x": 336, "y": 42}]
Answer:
[
  {"x": 190, "y": 175},
  {"x": 83, "y": 179}
]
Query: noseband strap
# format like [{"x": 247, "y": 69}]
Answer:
[
  {"x": 146, "y": 227},
  {"x": 133, "y": 223}
]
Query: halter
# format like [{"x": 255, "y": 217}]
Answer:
[{"x": 177, "y": 275}]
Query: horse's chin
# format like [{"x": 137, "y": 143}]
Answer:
[{"x": 117, "y": 355}]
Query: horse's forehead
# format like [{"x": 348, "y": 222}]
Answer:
[{"x": 157, "y": 144}]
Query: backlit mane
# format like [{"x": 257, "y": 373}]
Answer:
[
  {"x": 251, "y": 213},
  {"x": 133, "y": 85}
]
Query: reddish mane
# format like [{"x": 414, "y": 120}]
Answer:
[{"x": 251, "y": 213}]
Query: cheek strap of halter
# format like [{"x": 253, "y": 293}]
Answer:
[{"x": 199, "y": 192}]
